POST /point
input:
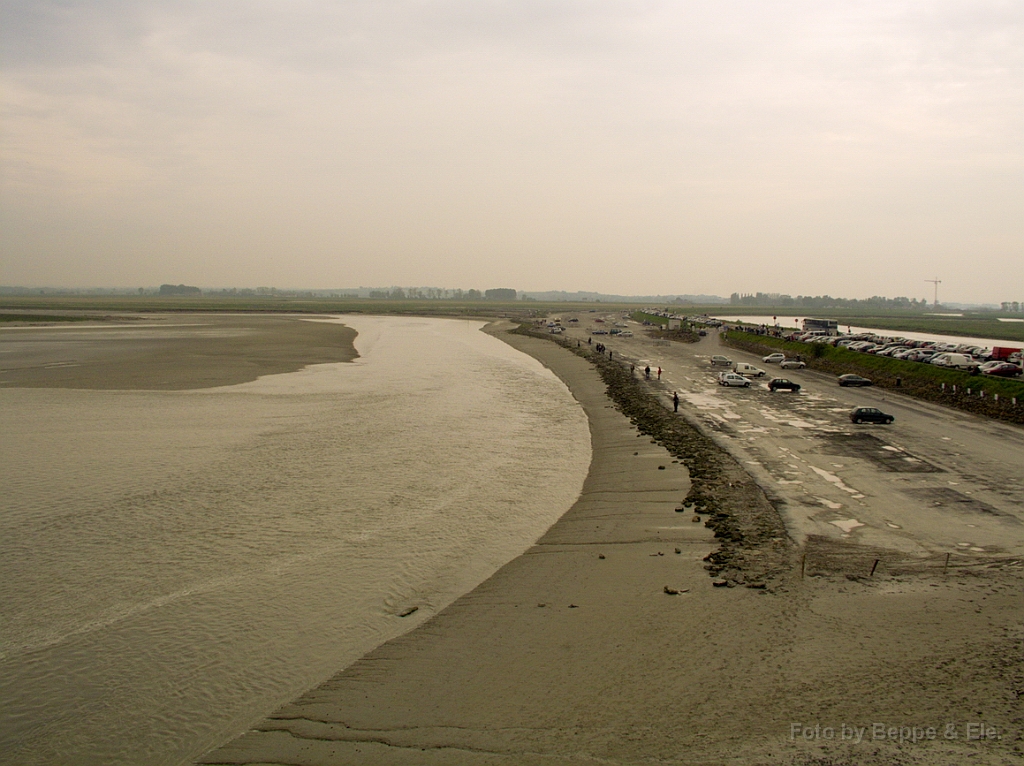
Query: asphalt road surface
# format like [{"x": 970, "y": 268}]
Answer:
[{"x": 935, "y": 481}]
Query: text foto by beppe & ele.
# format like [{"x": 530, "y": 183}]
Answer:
[{"x": 877, "y": 732}]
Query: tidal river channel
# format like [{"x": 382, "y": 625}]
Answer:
[{"x": 173, "y": 565}]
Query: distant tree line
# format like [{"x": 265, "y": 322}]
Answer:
[
  {"x": 825, "y": 301},
  {"x": 442, "y": 294},
  {"x": 179, "y": 290}
]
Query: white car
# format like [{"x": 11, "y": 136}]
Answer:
[
  {"x": 742, "y": 368},
  {"x": 792, "y": 364},
  {"x": 773, "y": 358},
  {"x": 732, "y": 379}
]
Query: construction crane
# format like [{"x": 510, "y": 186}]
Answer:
[{"x": 936, "y": 282}]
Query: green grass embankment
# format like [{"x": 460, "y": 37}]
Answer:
[
  {"x": 685, "y": 333},
  {"x": 980, "y": 394}
]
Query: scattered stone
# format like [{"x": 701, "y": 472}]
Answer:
[
  {"x": 679, "y": 550},
  {"x": 573, "y": 606},
  {"x": 541, "y": 606},
  {"x": 600, "y": 555},
  {"x": 661, "y": 468},
  {"x": 720, "y": 583},
  {"x": 695, "y": 519},
  {"x": 408, "y": 611},
  {"x": 671, "y": 591},
  {"x": 757, "y": 585}
]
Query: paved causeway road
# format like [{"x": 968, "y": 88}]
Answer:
[{"x": 936, "y": 481}]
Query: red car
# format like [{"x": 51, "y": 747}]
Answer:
[{"x": 1003, "y": 370}]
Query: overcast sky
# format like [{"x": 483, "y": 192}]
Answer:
[{"x": 633, "y": 147}]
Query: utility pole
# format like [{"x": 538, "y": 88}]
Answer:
[{"x": 936, "y": 282}]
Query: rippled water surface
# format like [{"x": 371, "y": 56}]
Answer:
[{"x": 175, "y": 564}]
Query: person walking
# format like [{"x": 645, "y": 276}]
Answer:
[
  {"x": 675, "y": 401},
  {"x": 659, "y": 373}
]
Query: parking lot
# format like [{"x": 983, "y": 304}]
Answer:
[{"x": 936, "y": 481}]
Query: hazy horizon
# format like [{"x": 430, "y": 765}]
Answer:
[{"x": 644, "y": 147}]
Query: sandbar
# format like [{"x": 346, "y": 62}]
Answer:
[{"x": 168, "y": 352}]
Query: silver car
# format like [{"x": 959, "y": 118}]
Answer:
[{"x": 732, "y": 379}]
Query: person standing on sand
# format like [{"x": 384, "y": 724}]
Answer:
[
  {"x": 632, "y": 369},
  {"x": 647, "y": 372},
  {"x": 675, "y": 401},
  {"x": 659, "y": 373}
]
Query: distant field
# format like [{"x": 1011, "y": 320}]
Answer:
[
  {"x": 972, "y": 324},
  {"x": 299, "y": 305}
]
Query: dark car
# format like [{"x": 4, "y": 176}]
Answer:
[
  {"x": 853, "y": 380},
  {"x": 870, "y": 415},
  {"x": 777, "y": 384}
]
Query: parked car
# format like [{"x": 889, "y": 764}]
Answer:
[
  {"x": 853, "y": 380},
  {"x": 954, "y": 361},
  {"x": 870, "y": 415},
  {"x": 732, "y": 379},
  {"x": 773, "y": 358},
  {"x": 792, "y": 364},
  {"x": 1002, "y": 370},
  {"x": 748, "y": 369},
  {"x": 721, "y": 361},
  {"x": 782, "y": 384}
]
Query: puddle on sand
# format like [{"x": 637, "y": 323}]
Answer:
[
  {"x": 847, "y": 525},
  {"x": 831, "y": 477}
]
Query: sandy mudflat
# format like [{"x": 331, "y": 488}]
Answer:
[
  {"x": 575, "y": 653},
  {"x": 168, "y": 352}
]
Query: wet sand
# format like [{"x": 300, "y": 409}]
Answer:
[
  {"x": 168, "y": 352},
  {"x": 603, "y": 644}
]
